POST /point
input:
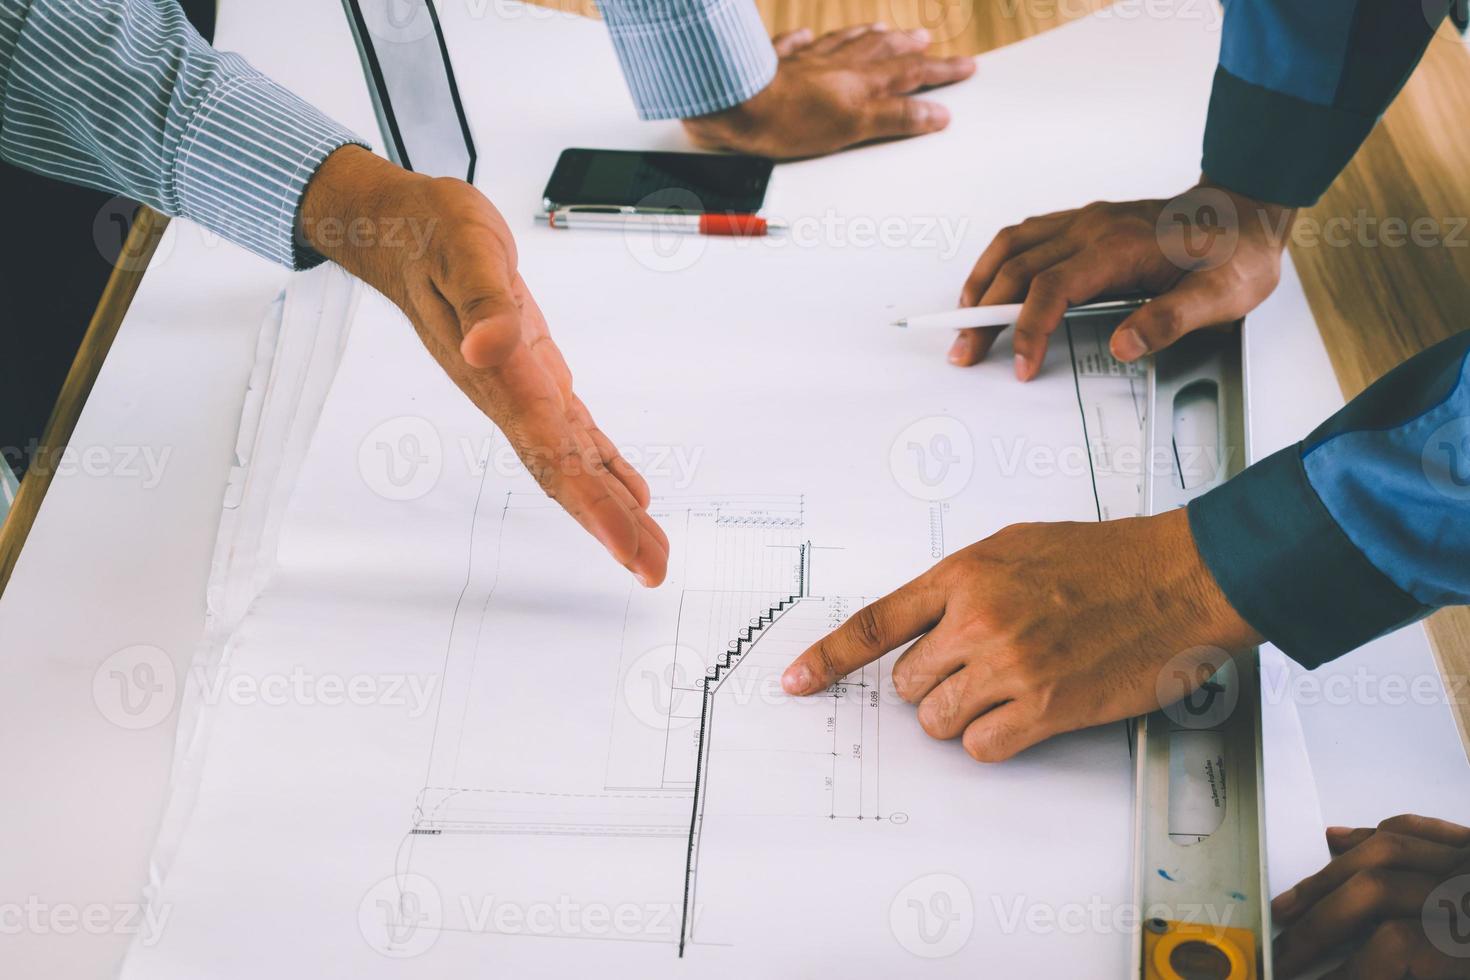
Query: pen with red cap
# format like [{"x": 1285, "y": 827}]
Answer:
[{"x": 679, "y": 223}]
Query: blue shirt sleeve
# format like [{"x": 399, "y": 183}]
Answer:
[
  {"x": 125, "y": 96},
  {"x": 1301, "y": 84},
  {"x": 1362, "y": 527},
  {"x": 686, "y": 58}
]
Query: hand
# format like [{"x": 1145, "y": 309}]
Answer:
[
  {"x": 1375, "y": 896},
  {"x": 1038, "y": 630},
  {"x": 843, "y": 88},
  {"x": 1210, "y": 256},
  {"x": 441, "y": 251}
]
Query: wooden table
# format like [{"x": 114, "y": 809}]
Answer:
[{"x": 1376, "y": 303}]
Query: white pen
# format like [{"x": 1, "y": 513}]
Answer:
[{"x": 1004, "y": 314}]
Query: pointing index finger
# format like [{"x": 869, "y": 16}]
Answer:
[{"x": 867, "y": 635}]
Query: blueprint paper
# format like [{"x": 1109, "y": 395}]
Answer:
[{"x": 450, "y": 736}]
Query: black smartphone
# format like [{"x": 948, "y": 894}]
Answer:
[{"x": 657, "y": 181}]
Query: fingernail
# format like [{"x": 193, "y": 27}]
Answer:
[
  {"x": 1022, "y": 368},
  {"x": 796, "y": 679},
  {"x": 959, "y": 351},
  {"x": 643, "y": 580},
  {"x": 1339, "y": 831},
  {"x": 1128, "y": 345},
  {"x": 920, "y": 34}
]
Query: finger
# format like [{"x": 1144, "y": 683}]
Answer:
[
  {"x": 792, "y": 41},
  {"x": 1340, "y": 840},
  {"x": 595, "y": 444},
  {"x": 1428, "y": 828},
  {"x": 538, "y": 337},
  {"x": 654, "y": 535},
  {"x": 1200, "y": 299},
  {"x": 531, "y": 411},
  {"x": 620, "y": 467},
  {"x": 479, "y": 286},
  {"x": 1399, "y": 949},
  {"x": 910, "y": 73},
  {"x": 627, "y": 534},
  {"x": 1384, "y": 850},
  {"x": 868, "y": 634},
  {"x": 1073, "y": 280},
  {"x": 926, "y": 664},
  {"x": 1008, "y": 242},
  {"x": 971, "y": 346},
  {"x": 833, "y": 40},
  {"x": 1004, "y": 732},
  {"x": 523, "y": 399},
  {"x": 895, "y": 118},
  {"x": 593, "y": 461},
  {"x": 876, "y": 45},
  {"x": 962, "y": 698},
  {"x": 1369, "y": 897}
]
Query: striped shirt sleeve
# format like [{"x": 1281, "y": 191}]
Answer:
[
  {"x": 686, "y": 58},
  {"x": 125, "y": 96}
]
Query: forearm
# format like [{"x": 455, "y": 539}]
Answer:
[
  {"x": 1362, "y": 527},
  {"x": 124, "y": 95},
  {"x": 1300, "y": 86}
]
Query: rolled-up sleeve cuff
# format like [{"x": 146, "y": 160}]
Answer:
[
  {"x": 685, "y": 60},
  {"x": 1275, "y": 147},
  {"x": 1289, "y": 569},
  {"x": 245, "y": 158}
]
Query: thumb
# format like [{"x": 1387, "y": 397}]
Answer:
[
  {"x": 895, "y": 117},
  {"x": 1201, "y": 299},
  {"x": 489, "y": 322}
]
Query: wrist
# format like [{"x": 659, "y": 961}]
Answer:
[
  {"x": 719, "y": 130},
  {"x": 1207, "y": 616},
  {"x": 732, "y": 127},
  {"x": 346, "y": 201},
  {"x": 1260, "y": 219}
]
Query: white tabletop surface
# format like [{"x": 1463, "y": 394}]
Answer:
[{"x": 116, "y": 561}]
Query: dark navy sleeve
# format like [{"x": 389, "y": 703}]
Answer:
[
  {"x": 1300, "y": 85},
  {"x": 1362, "y": 527}
]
